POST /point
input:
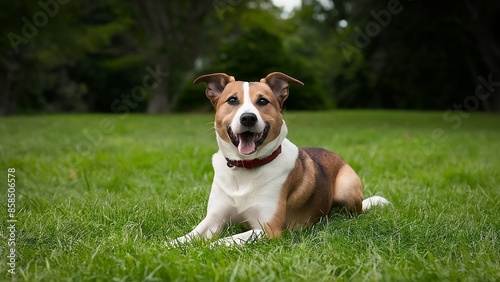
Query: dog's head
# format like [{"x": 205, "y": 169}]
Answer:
[{"x": 248, "y": 121}]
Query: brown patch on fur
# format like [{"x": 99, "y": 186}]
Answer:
[
  {"x": 225, "y": 112},
  {"x": 216, "y": 82},
  {"x": 319, "y": 182},
  {"x": 270, "y": 113},
  {"x": 278, "y": 83}
]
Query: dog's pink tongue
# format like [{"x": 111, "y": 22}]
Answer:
[{"x": 246, "y": 145}]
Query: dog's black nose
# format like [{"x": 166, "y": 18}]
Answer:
[{"x": 248, "y": 119}]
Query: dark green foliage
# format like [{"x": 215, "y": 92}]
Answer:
[
  {"x": 83, "y": 56},
  {"x": 254, "y": 55},
  {"x": 420, "y": 57}
]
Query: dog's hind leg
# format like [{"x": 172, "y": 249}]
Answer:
[{"x": 348, "y": 192}]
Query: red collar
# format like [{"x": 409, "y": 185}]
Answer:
[{"x": 255, "y": 162}]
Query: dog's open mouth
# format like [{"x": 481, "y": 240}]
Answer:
[{"x": 248, "y": 142}]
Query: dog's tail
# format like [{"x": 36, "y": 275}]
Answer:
[{"x": 374, "y": 201}]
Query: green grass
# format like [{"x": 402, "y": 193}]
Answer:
[{"x": 104, "y": 211}]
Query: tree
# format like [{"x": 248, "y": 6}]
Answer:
[
  {"x": 84, "y": 56},
  {"x": 17, "y": 31},
  {"x": 48, "y": 50},
  {"x": 253, "y": 46},
  {"x": 173, "y": 36},
  {"x": 409, "y": 55}
]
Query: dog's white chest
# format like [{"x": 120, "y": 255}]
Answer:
[
  {"x": 247, "y": 190},
  {"x": 251, "y": 194},
  {"x": 244, "y": 197}
]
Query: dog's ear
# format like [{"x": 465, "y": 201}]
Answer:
[
  {"x": 278, "y": 82},
  {"x": 216, "y": 83}
]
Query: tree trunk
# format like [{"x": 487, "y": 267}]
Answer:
[
  {"x": 159, "y": 103},
  {"x": 172, "y": 39}
]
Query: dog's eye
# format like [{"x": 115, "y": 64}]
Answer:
[
  {"x": 232, "y": 101},
  {"x": 262, "y": 102}
]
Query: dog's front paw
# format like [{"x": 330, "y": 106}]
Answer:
[
  {"x": 228, "y": 242},
  {"x": 179, "y": 241},
  {"x": 239, "y": 239}
]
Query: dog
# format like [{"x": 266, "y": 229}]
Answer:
[{"x": 261, "y": 178}]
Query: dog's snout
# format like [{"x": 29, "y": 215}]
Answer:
[{"x": 248, "y": 119}]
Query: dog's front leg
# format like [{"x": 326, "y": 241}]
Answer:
[{"x": 241, "y": 238}]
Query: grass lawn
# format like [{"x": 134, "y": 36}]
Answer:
[{"x": 97, "y": 197}]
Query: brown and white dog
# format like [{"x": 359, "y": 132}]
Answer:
[{"x": 261, "y": 178}]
